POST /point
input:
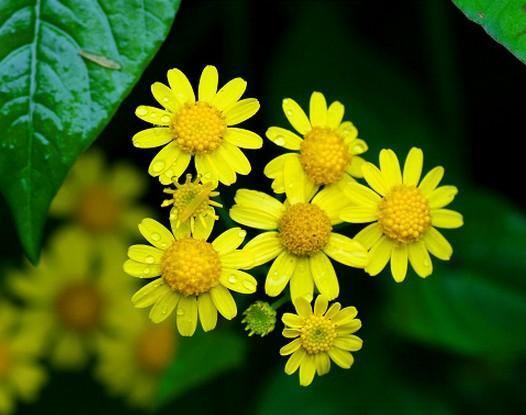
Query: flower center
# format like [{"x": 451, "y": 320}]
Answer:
[
  {"x": 98, "y": 210},
  {"x": 5, "y": 360},
  {"x": 199, "y": 128},
  {"x": 317, "y": 334},
  {"x": 191, "y": 266},
  {"x": 324, "y": 156},
  {"x": 304, "y": 229},
  {"x": 79, "y": 306},
  {"x": 404, "y": 214},
  {"x": 155, "y": 348}
]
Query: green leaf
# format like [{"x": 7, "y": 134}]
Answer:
[
  {"x": 504, "y": 20},
  {"x": 65, "y": 66},
  {"x": 199, "y": 359},
  {"x": 465, "y": 311}
]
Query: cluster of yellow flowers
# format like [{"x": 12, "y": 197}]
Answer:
[
  {"x": 316, "y": 186},
  {"x": 74, "y": 305}
]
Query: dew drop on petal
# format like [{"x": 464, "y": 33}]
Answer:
[
  {"x": 242, "y": 233},
  {"x": 232, "y": 279},
  {"x": 141, "y": 111},
  {"x": 180, "y": 312},
  {"x": 249, "y": 285},
  {"x": 158, "y": 166},
  {"x": 156, "y": 236},
  {"x": 165, "y": 119},
  {"x": 149, "y": 259},
  {"x": 279, "y": 140}
]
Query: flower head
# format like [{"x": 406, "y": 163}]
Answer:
[
  {"x": 259, "y": 318},
  {"x": 405, "y": 211},
  {"x": 319, "y": 337},
  {"x": 328, "y": 149},
  {"x": 195, "y": 276},
  {"x": 192, "y": 207},
  {"x": 200, "y": 128},
  {"x": 299, "y": 235}
]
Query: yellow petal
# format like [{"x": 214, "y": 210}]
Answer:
[
  {"x": 152, "y": 137},
  {"x": 145, "y": 254},
  {"x": 176, "y": 169},
  {"x": 431, "y": 180},
  {"x": 241, "y": 259},
  {"x": 301, "y": 281},
  {"x": 150, "y": 293},
  {"x": 224, "y": 302},
  {"x": 274, "y": 167},
  {"x": 330, "y": 200},
  {"x": 238, "y": 281},
  {"x": 413, "y": 166},
  {"x": 229, "y": 93},
  {"x": 241, "y": 111},
  {"x": 140, "y": 270},
  {"x": 320, "y": 305},
  {"x": 345, "y": 316},
  {"x": 347, "y": 251},
  {"x": 208, "y": 84},
  {"x": 216, "y": 167},
  {"x": 284, "y": 138},
  {"x": 420, "y": 260},
  {"x": 349, "y": 343},
  {"x": 264, "y": 247},
  {"x": 207, "y": 312},
  {"x": 441, "y": 196},
  {"x": 181, "y": 86},
  {"x": 324, "y": 275},
  {"x": 437, "y": 245},
  {"x": 243, "y": 138},
  {"x": 361, "y": 195},
  {"x": 165, "y": 97},
  {"x": 235, "y": 158},
  {"x": 357, "y": 146},
  {"x": 318, "y": 110},
  {"x": 279, "y": 274},
  {"x": 341, "y": 358},
  {"x": 354, "y": 168},
  {"x": 253, "y": 218},
  {"x": 335, "y": 114},
  {"x": 187, "y": 315},
  {"x": 229, "y": 240},
  {"x": 294, "y": 179},
  {"x": 445, "y": 218},
  {"x": 302, "y": 306},
  {"x": 399, "y": 263},
  {"x": 164, "y": 159},
  {"x": 380, "y": 254},
  {"x": 359, "y": 214},
  {"x": 374, "y": 178},
  {"x": 164, "y": 306},
  {"x": 322, "y": 363},
  {"x": 294, "y": 361},
  {"x": 156, "y": 234},
  {"x": 369, "y": 235},
  {"x": 348, "y": 130},
  {"x": 260, "y": 201},
  {"x": 307, "y": 370},
  {"x": 290, "y": 347},
  {"x": 153, "y": 115},
  {"x": 390, "y": 168},
  {"x": 296, "y": 116},
  {"x": 292, "y": 320}
]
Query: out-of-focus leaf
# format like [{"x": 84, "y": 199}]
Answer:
[
  {"x": 199, "y": 359},
  {"x": 504, "y": 20},
  {"x": 388, "y": 108},
  {"x": 64, "y": 68},
  {"x": 462, "y": 310}
]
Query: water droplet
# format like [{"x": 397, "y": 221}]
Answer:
[
  {"x": 166, "y": 99},
  {"x": 180, "y": 312},
  {"x": 427, "y": 264},
  {"x": 147, "y": 271},
  {"x": 158, "y": 166},
  {"x": 165, "y": 119},
  {"x": 249, "y": 285},
  {"x": 156, "y": 236},
  {"x": 288, "y": 112},
  {"x": 141, "y": 111},
  {"x": 279, "y": 140},
  {"x": 149, "y": 259},
  {"x": 169, "y": 173},
  {"x": 232, "y": 279},
  {"x": 242, "y": 233}
]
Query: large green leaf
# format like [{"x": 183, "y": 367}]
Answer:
[
  {"x": 504, "y": 20},
  {"x": 64, "y": 68}
]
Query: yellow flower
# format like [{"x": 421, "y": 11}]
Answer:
[
  {"x": 201, "y": 128},
  {"x": 133, "y": 360},
  {"x": 74, "y": 294},
  {"x": 192, "y": 207},
  {"x": 319, "y": 337},
  {"x": 328, "y": 149},
  {"x": 100, "y": 200},
  {"x": 195, "y": 275},
  {"x": 299, "y": 235},
  {"x": 20, "y": 347},
  {"x": 405, "y": 214}
]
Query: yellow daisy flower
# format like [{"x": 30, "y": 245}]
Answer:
[
  {"x": 195, "y": 275},
  {"x": 299, "y": 235},
  {"x": 20, "y": 346},
  {"x": 319, "y": 337},
  {"x": 192, "y": 207},
  {"x": 327, "y": 148},
  {"x": 73, "y": 295},
  {"x": 202, "y": 129},
  {"x": 405, "y": 212},
  {"x": 99, "y": 199},
  {"x": 133, "y": 360}
]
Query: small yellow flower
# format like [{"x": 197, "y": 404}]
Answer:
[
  {"x": 192, "y": 207},
  {"x": 132, "y": 361},
  {"x": 195, "y": 275},
  {"x": 202, "y": 129},
  {"x": 73, "y": 294},
  {"x": 299, "y": 235},
  {"x": 99, "y": 199},
  {"x": 328, "y": 149},
  {"x": 319, "y": 337},
  {"x": 20, "y": 346},
  {"x": 405, "y": 214}
]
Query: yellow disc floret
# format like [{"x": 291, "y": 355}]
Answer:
[
  {"x": 304, "y": 229},
  {"x": 155, "y": 348},
  {"x": 5, "y": 360},
  {"x": 404, "y": 214},
  {"x": 79, "y": 306},
  {"x": 98, "y": 210},
  {"x": 324, "y": 155},
  {"x": 317, "y": 334},
  {"x": 191, "y": 266},
  {"x": 199, "y": 128}
]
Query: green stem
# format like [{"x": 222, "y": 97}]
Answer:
[{"x": 277, "y": 304}]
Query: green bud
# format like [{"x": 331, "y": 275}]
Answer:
[{"x": 259, "y": 318}]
